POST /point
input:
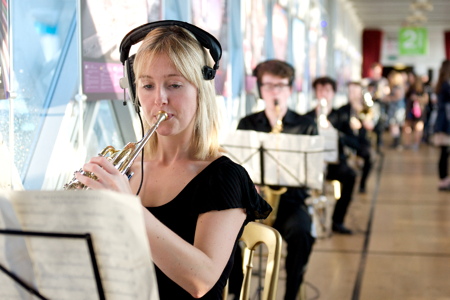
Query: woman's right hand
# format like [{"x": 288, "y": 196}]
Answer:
[{"x": 108, "y": 177}]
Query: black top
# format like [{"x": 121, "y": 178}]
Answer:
[
  {"x": 340, "y": 119},
  {"x": 222, "y": 185},
  {"x": 442, "y": 123},
  {"x": 293, "y": 123}
]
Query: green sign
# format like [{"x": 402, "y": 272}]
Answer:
[{"x": 413, "y": 41}]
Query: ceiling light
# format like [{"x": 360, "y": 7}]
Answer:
[{"x": 422, "y": 5}]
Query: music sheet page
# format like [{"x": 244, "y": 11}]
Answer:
[
  {"x": 291, "y": 160},
  {"x": 61, "y": 268}
]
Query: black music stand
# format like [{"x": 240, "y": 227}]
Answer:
[{"x": 89, "y": 243}]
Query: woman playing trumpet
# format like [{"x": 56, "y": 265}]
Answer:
[{"x": 196, "y": 201}]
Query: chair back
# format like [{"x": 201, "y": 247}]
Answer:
[{"x": 254, "y": 235}]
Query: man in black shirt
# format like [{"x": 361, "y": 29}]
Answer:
[
  {"x": 325, "y": 88},
  {"x": 275, "y": 79}
]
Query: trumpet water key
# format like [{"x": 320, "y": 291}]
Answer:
[{"x": 121, "y": 159}]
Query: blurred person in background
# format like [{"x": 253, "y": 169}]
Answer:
[
  {"x": 325, "y": 88},
  {"x": 361, "y": 119},
  {"x": 430, "y": 107},
  {"x": 416, "y": 100},
  {"x": 442, "y": 125},
  {"x": 395, "y": 101},
  {"x": 275, "y": 80},
  {"x": 379, "y": 88}
]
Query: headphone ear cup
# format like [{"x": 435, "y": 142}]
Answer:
[
  {"x": 208, "y": 73},
  {"x": 258, "y": 84}
]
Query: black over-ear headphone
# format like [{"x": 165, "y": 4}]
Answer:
[
  {"x": 136, "y": 35},
  {"x": 258, "y": 67}
]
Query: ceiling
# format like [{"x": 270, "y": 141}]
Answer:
[{"x": 390, "y": 15}]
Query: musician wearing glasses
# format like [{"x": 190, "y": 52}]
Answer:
[
  {"x": 196, "y": 201},
  {"x": 275, "y": 81}
]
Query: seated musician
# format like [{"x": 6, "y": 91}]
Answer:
[
  {"x": 275, "y": 79},
  {"x": 325, "y": 88},
  {"x": 360, "y": 114},
  {"x": 195, "y": 200}
]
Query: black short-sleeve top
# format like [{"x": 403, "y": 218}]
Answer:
[{"x": 222, "y": 185}]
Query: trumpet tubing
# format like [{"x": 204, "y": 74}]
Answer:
[
  {"x": 278, "y": 128},
  {"x": 121, "y": 159}
]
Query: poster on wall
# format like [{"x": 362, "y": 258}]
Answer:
[
  {"x": 313, "y": 37},
  {"x": 254, "y": 39},
  {"x": 322, "y": 54},
  {"x": 343, "y": 69},
  {"x": 212, "y": 17},
  {"x": 299, "y": 49},
  {"x": 413, "y": 41},
  {"x": 103, "y": 25},
  {"x": 280, "y": 31}
]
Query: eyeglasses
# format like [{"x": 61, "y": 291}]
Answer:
[{"x": 271, "y": 86}]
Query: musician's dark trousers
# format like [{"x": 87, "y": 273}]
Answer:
[
  {"x": 365, "y": 154},
  {"x": 294, "y": 224},
  {"x": 346, "y": 176}
]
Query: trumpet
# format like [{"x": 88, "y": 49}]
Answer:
[
  {"x": 121, "y": 159},
  {"x": 367, "y": 105},
  {"x": 323, "y": 113}
]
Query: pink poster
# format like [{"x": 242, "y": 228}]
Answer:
[
  {"x": 211, "y": 16},
  {"x": 103, "y": 25}
]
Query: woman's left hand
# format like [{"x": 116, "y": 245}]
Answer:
[{"x": 108, "y": 177}]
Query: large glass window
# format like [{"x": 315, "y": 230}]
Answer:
[{"x": 38, "y": 32}]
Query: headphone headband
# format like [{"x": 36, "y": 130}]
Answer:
[
  {"x": 136, "y": 35},
  {"x": 206, "y": 39}
]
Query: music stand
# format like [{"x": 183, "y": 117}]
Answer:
[
  {"x": 331, "y": 140},
  {"x": 47, "y": 249},
  {"x": 86, "y": 237},
  {"x": 288, "y": 160}
]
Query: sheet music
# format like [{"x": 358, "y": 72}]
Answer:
[
  {"x": 331, "y": 138},
  {"x": 289, "y": 159},
  {"x": 61, "y": 267}
]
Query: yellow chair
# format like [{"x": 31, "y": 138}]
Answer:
[{"x": 254, "y": 235}]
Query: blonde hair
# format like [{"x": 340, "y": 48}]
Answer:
[
  {"x": 188, "y": 57},
  {"x": 395, "y": 79}
]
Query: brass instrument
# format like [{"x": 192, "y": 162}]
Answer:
[
  {"x": 272, "y": 196},
  {"x": 322, "y": 119},
  {"x": 367, "y": 106},
  {"x": 121, "y": 159},
  {"x": 279, "y": 124}
]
